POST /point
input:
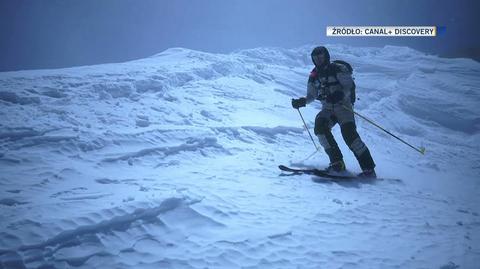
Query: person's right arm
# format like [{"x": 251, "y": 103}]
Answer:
[{"x": 311, "y": 93}]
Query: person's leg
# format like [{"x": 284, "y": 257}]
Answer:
[
  {"x": 323, "y": 130},
  {"x": 356, "y": 145},
  {"x": 351, "y": 137}
]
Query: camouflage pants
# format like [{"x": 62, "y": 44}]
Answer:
[{"x": 325, "y": 120}]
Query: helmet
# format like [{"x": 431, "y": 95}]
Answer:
[{"x": 321, "y": 50}]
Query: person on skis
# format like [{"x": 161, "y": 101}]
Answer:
[{"x": 331, "y": 83}]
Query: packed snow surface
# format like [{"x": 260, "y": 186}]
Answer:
[{"x": 171, "y": 162}]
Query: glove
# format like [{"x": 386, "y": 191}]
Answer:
[
  {"x": 335, "y": 97},
  {"x": 298, "y": 103}
]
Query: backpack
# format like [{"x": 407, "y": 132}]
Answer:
[{"x": 350, "y": 70}]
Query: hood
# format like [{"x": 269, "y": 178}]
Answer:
[{"x": 321, "y": 50}]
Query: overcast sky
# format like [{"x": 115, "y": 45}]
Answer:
[{"x": 61, "y": 33}]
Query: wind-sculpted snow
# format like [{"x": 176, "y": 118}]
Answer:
[
  {"x": 77, "y": 245},
  {"x": 165, "y": 151},
  {"x": 171, "y": 162}
]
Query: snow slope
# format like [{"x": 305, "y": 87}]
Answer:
[{"x": 171, "y": 162}]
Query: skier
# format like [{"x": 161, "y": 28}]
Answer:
[{"x": 331, "y": 83}]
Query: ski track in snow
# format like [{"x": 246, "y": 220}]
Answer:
[{"x": 171, "y": 162}]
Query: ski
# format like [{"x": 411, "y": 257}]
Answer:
[{"x": 315, "y": 172}]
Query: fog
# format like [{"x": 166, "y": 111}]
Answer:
[{"x": 53, "y": 34}]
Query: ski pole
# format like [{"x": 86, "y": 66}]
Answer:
[
  {"x": 420, "y": 149},
  {"x": 304, "y": 124}
]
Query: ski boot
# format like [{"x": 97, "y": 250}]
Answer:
[
  {"x": 367, "y": 173},
  {"x": 336, "y": 167}
]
